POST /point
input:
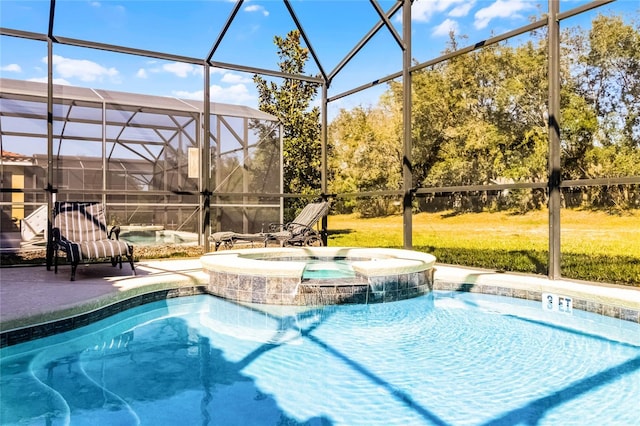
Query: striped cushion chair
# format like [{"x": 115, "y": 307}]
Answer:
[{"x": 80, "y": 230}]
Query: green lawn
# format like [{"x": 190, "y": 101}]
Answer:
[{"x": 596, "y": 246}]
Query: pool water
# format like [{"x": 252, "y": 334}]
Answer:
[
  {"x": 334, "y": 269},
  {"x": 444, "y": 359},
  {"x": 162, "y": 237}
]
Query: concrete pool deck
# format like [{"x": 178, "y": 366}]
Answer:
[{"x": 31, "y": 295}]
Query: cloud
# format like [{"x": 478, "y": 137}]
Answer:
[
  {"x": 447, "y": 26},
  {"x": 236, "y": 94},
  {"x": 501, "y": 9},
  {"x": 462, "y": 10},
  {"x": 82, "y": 69},
  {"x": 257, "y": 8},
  {"x": 11, "y": 68},
  {"x": 423, "y": 10},
  {"x": 181, "y": 69},
  {"x": 232, "y": 78}
]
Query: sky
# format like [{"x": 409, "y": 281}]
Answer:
[{"x": 190, "y": 28}]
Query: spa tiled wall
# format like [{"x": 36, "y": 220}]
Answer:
[{"x": 294, "y": 291}]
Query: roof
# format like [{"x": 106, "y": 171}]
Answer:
[
  {"x": 149, "y": 103},
  {"x": 8, "y": 155}
]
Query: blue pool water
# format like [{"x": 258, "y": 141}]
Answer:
[
  {"x": 443, "y": 359},
  {"x": 161, "y": 237},
  {"x": 334, "y": 269}
]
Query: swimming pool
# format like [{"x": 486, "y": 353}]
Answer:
[
  {"x": 446, "y": 358},
  {"x": 152, "y": 237}
]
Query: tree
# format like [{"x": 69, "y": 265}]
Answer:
[
  {"x": 291, "y": 103},
  {"x": 367, "y": 157},
  {"x": 613, "y": 76},
  {"x": 478, "y": 118},
  {"x": 604, "y": 70},
  {"x": 263, "y": 162}
]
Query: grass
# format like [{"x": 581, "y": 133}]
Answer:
[{"x": 596, "y": 246}]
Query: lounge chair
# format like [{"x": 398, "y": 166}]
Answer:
[
  {"x": 228, "y": 239},
  {"x": 299, "y": 232},
  {"x": 80, "y": 231}
]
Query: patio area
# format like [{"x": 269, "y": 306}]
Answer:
[{"x": 32, "y": 295}]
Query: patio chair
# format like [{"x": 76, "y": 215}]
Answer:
[
  {"x": 229, "y": 238},
  {"x": 299, "y": 232},
  {"x": 80, "y": 231}
]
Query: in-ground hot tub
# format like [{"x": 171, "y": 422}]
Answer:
[{"x": 318, "y": 275}]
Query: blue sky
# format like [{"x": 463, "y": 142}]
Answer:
[{"x": 189, "y": 28}]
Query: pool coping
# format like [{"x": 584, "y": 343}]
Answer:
[
  {"x": 366, "y": 261},
  {"x": 35, "y": 303},
  {"x": 622, "y": 302}
]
